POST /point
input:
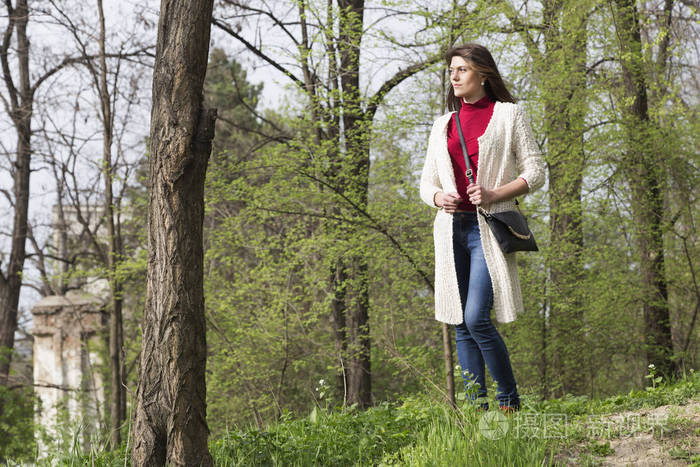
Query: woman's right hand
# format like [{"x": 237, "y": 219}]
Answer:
[{"x": 448, "y": 201}]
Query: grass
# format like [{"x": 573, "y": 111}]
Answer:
[
  {"x": 337, "y": 437},
  {"x": 423, "y": 432},
  {"x": 466, "y": 439}
]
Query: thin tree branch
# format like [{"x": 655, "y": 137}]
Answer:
[
  {"x": 224, "y": 27},
  {"x": 84, "y": 59},
  {"x": 398, "y": 77},
  {"x": 374, "y": 224},
  {"x": 520, "y": 26},
  {"x": 280, "y": 24}
]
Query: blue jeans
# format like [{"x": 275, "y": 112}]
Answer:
[{"x": 478, "y": 341}]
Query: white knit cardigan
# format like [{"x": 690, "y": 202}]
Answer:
[{"x": 507, "y": 149}]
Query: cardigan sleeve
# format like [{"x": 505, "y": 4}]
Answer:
[
  {"x": 430, "y": 180},
  {"x": 527, "y": 155}
]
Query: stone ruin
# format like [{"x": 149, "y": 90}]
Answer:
[
  {"x": 70, "y": 345},
  {"x": 67, "y": 347}
]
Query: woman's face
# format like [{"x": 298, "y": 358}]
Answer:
[{"x": 465, "y": 81}]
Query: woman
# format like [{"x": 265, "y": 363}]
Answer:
[{"x": 472, "y": 274}]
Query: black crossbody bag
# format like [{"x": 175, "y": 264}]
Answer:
[{"x": 509, "y": 227}]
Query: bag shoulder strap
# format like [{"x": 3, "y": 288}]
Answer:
[{"x": 467, "y": 163}]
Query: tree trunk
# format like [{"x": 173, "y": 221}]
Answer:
[
  {"x": 21, "y": 114},
  {"x": 645, "y": 177},
  {"x": 170, "y": 414},
  {"x": 117, "y": 392},
  {"x": 560, "y": 70},
  {"x": 356, "y": 186},
  {"x": 449, "y": 364},
  {"x": 564, "y": 80},
  {"x": 348, "y": 171},
  {"x": 337, "y": 281},
  {"x": 359, "y": 343}
]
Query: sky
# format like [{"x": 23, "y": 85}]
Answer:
[
  {"x": 128, "y": 24},
  {"x": 56, "y": 101},
  {"x": 132, "y": 23}
]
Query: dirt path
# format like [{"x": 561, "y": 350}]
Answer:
[{"x": 664, "y": 436}]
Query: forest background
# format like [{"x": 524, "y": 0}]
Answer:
[{"x": 319, "y": 255}]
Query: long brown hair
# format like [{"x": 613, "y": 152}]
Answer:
[{"x": 479, "y": 58}]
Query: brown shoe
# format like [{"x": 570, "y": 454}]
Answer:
[{"x": 508, "y": 409}]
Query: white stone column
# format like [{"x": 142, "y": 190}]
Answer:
[{"x": 67, "y": 380}]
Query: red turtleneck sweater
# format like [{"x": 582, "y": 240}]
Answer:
[{"x": 474, "y": 119}]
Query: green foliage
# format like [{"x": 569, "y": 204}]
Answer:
[
  {"x": 602, "y": 448},
  {"x": 96, "y": 456},
  {"x": 283, "y": 209},
  {"x": 257, "y": 360},
  {"x": 677, "y": 392},
  {"x": 17, "y": 424},
  {"x": 418, "y": 431},
  {"x": 277, "y": 223},
  {"x": 276, "y": 226},
  {"x": 327, "y": 437}
]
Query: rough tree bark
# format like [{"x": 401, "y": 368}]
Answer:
[
  {"x": 19, "y": 105},
  {"x": 645, "y": 177},
  {"x": 356, "y": 168},
  {"x": 170, "y": 425}
]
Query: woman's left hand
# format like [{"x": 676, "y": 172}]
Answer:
[{"x": 480, "y": 195}]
